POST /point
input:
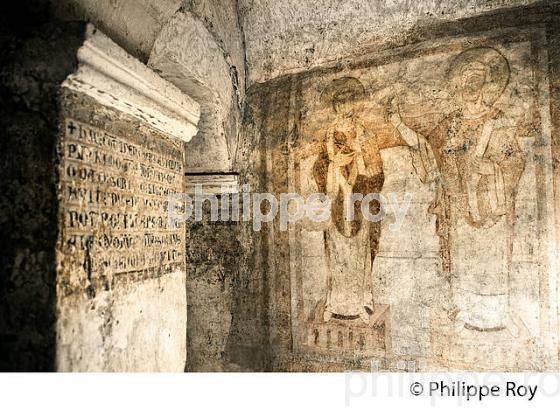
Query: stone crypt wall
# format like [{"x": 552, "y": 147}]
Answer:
[
  {"x": 201, "y": 50},
  {"x": 199, "y": 46},
  {"x": 291, "y": 36},
  {"x": 95, "y": 275},
  {"x": 468, "y": 280},
  {"x": 93, "y": 278}
]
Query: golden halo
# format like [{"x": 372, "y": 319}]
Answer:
[
  {"x": 497, "y": 71},
  {"x": 347, "y": 88}
]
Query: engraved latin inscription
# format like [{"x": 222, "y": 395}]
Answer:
[{"x": 114, "y": 197}]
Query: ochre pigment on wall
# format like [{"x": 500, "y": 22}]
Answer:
[{"x": 458, "y": 270}]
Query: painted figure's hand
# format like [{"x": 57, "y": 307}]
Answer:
[
  {"x": 483, "y": 167},
  {"x": 356, "y": 145},
  {"x": 392, "y": 112},
  {"x": 341, "y": 160},
  {"x": 330, "y": 144}
]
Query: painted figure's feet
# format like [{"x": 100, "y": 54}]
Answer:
[
  {"x": 512, "y": 327},
  {"x": 459, "y": 324},
  {"x": 364, "y": 316}
]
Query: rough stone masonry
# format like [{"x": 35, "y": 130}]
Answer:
[{"x": 108, "y": 107}]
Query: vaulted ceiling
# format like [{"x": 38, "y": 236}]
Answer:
[
  {"x": 133, "y": 24},
  {"x": 280, "y": 36}
]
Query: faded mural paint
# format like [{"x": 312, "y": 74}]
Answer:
[{"x": 468, "y": 281}]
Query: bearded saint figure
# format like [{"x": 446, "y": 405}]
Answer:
[{"x": 474, "y": 158}]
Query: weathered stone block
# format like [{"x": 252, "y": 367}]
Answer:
[{"x": 114, "y": 265}]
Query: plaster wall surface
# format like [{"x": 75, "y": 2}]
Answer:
[
  {"x": 295, "y": 35},
  {"x": 438, "y": 288}
]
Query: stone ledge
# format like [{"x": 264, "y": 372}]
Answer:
[
  {"x": 215, "y": 184},
  {"x": 115, "y": 79}
]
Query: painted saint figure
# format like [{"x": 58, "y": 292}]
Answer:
[
  {"x": 474, "y": 157},
  {"x": 340, "y": 170}
]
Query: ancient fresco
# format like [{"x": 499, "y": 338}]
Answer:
[{"x": 456, "y": 269}]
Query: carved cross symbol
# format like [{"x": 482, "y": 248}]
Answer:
[{"x": 71, "y": 127}]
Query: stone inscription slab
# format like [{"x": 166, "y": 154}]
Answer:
[{"x": 114, "y": 193}]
